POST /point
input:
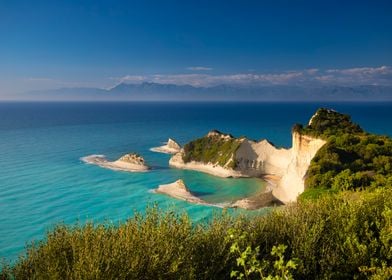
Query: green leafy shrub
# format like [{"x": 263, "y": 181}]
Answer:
[
  {"x": 347, "y": 235},
  {"x": 212, "y": 149},
  {"x": 351, "y": 158},
  {"x": 250, "y": 266},
  {"x": 326, "y": 122}
]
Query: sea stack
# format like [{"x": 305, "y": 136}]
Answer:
[
  {"x": 171, "y": 147},
  {"x": 179, "y": 190}
]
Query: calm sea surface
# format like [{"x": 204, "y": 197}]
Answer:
[{"x": 43, "y": 182}]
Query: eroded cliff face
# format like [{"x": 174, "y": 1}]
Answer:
[
  {"x": 255, "y": 159},
  {"x": 289, "y": 165},
  {"x": 260, "y": 158},
  {"x": 292, "y": 181}
]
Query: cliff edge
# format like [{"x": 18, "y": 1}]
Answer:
[{"x": 223, "y": 155}]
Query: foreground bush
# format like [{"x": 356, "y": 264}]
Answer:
[{"x": 343, "y": 236}]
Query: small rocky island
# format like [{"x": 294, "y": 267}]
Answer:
[
  {"x": 179, "y": 190},
  {"x": 131, "y": 162},
  {"x": 170, "y": 147}
]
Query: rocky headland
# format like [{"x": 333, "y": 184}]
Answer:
[{"x": 223, "y": 155}]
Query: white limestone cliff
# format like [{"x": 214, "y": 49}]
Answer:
[
  {"x": 292, "y": 182},
  {"x": 258, "y": 159}
]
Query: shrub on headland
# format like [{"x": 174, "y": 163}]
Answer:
[
  {"x": 213, "y": 149},
  {"x": 350, "y": 159},
  {"x": 341, "y": 236}
]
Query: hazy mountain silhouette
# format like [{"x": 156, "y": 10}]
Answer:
[{"x": 170, "y": 92}]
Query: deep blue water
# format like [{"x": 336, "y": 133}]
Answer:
[{"x": 44, "y": 182}]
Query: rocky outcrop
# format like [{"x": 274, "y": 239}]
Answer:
[
  {"x": 217, "y": 133},
  {"x": 130, "y": 162},
  {"x": 171, "y": 147},
  {"x": 179, "y": 190}
]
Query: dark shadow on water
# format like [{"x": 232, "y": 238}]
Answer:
[
  {"x": 200, "y": 193},
  {"x": 154, "y": 167}
]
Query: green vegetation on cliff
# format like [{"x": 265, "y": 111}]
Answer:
[
  {"x": 351, "y": 159},
  {"x": 326, "y": 123},
  {"x": 342, "y": 236},
  {"x": 215, "y": 148}
]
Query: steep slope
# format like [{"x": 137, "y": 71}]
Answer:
[
  {"x": 329, "y": 154},
  {"x": 292, "y": 182},
  {"x": 225, "y": 156}
]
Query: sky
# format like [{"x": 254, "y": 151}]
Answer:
[{"x": 53, "y": 44}]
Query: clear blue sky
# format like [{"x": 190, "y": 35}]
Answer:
[{"x": 95, "y": 43}]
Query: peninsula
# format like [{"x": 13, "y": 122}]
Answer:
[
  {"x": 329, "y": 154},
  {"x": 329, "y": 144},
  {"x": 223, "y": 155}
]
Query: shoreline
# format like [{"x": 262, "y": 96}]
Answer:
[
  {"x": 261, "y": 199},
  {"x": 164, "y": 150},
  {"x": 215, "y": 170}
]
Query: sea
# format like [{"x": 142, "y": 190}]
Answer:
[{"x": 44, "y": 182}]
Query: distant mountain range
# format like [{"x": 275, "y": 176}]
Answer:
[{"x": 170, "y": 92}]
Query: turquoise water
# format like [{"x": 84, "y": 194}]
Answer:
[{"x": 44, "y": 182}]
